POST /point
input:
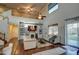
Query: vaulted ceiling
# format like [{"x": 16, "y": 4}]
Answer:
[{"x": 30, "y": 10}]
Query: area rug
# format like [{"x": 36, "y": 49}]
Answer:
[
  {"x": 54, "y": 51},
  {"x": 71, "y": 50}
]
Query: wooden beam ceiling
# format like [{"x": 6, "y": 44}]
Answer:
[{"x": 29, "y": 10}]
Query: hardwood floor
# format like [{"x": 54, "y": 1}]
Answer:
[
  {"x": 20, "y": 50},
  {"x": 32, "y": 51}
]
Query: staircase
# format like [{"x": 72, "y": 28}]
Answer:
[
  {"x": 2, "y": 40},
  {"x": 1, "y": 43}
]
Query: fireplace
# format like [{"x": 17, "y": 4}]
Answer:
[{"x": 32, "y": 36}]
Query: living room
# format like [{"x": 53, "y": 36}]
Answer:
[{"x": 39, "y": 29}]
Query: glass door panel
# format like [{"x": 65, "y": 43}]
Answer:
[{"x": 72, "y": 34}]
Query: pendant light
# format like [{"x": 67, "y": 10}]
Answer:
[{"x": 40, "y": 16}]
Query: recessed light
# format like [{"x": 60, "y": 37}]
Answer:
[{"x": 28, "y": 10}]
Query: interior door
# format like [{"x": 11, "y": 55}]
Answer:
[
  {"x": 72, "y": 33},
  {"x": 13, "y": 31}
]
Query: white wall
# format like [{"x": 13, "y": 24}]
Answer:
[
  {"x": 3, "y": 29},
  {"x": 64, "y": 11},
  {"x": 16, "y": 20},
  {"x": 4, "y": 24}
]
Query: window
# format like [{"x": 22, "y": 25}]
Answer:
[
  {"x": 53, "y": 30},
  {"x": 52, "y": 7}
]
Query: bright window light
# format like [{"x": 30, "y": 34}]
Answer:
[
  {"x": 53, "y": 30},
  {"x": 53, "y": 9}
]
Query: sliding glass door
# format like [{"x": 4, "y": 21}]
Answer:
[{"x": 72, "y": 33}]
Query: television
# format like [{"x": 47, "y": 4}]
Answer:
[{"x": 32, "y": 28}]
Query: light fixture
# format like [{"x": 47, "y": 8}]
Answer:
[
  {"x": 28, "y": 10},
  {"x": 40, "y": 16}
]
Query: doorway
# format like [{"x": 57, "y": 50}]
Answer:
[
  {"x": 13, "y": 31},
  {"x": 72, "y": 32}
]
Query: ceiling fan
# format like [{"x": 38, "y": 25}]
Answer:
[{"x": 41, "y": 17}]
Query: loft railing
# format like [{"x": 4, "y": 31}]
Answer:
[{"x": 2, "y": 37}]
